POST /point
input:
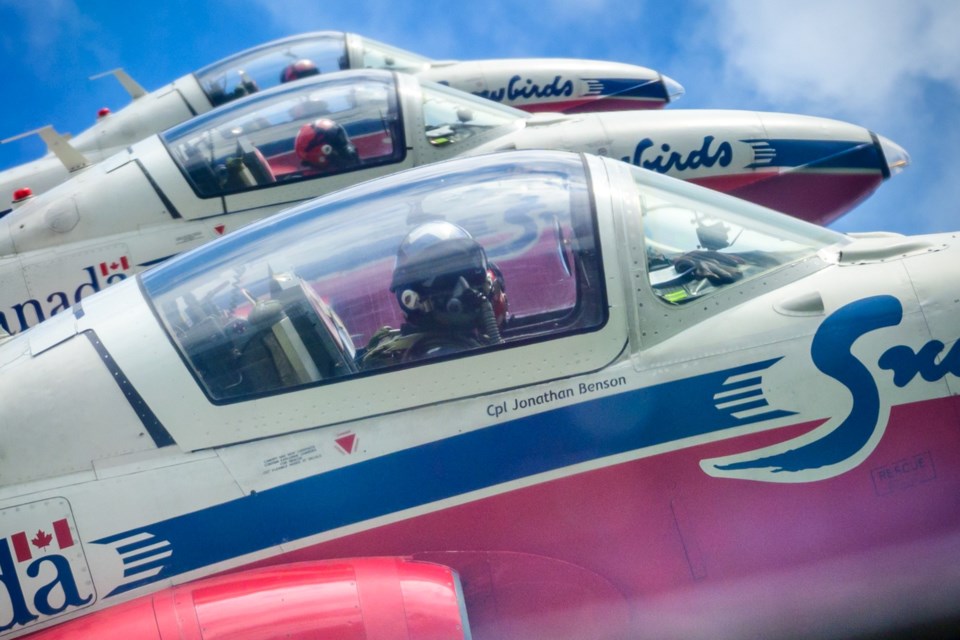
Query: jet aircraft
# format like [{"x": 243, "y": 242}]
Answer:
[
  {"x": 552, "y": 396},
  {"x": 537, "y": 84},
  {"x": 253, "y": 157}
]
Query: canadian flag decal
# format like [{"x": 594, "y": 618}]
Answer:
[
  {"x": 24, "y": 543},
  {"x": 43, "y": 568},
  {"x": 106, "y": 268}
]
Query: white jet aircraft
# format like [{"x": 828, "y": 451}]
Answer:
[
  {"x": 536, "y": 84},
  {"x": 244, "y": 161},
  {"x": 524, "y": 395}
]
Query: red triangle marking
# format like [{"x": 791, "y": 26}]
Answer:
[
  {"x": 220, "y": 228},
  {"x": 347, "y": 442}
]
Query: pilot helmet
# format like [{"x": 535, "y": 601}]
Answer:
[
  {"x": 302, "y": 68},
  {"x": 443, "y": 280},
  {"x": 324, "y": 144}
]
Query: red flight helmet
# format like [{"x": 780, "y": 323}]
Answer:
[
  {"x": 325, "y": 144},
  {"x": 302, "y": 68}
]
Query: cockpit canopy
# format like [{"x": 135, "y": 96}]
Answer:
[
  {"x": 697, "y": 242},
  {"x": 310, "y": 296},
  {"x": 254, "y": 142},
  {"x": 293, "y": 58},
  {"x": 452, "y": 259},
  {"x": 319, "y": 127}
]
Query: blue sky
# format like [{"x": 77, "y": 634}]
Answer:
[{"x": 890, "y": 65}]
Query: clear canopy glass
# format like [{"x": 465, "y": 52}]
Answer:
[
  {"x": 377, "y": 55},
  {"x": 312, "y": 295},
  {"x": 698, "y": 241},
  {"x": 263, "y": 67},
  {"x": 315, "y": 127},
  {"x": 451, "y": 116}
]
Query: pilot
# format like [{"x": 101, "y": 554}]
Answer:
[
  {"x": 302, "y": 68},
  {"x": 451, "y": 296},
  {"x": 323, "y": 144}
]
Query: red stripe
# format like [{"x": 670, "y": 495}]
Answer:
[
  {"x": 21, "y": 547},
  {"x": 103, "y": 269},
  {"x": 62, "y": 531},
  {"x": 594, "y": 104},
  {"x": 124, "y": 263}
]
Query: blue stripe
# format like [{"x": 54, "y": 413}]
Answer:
[
  {"x": 626, "y": 88},
  {"x": 747, "y": 406},
  {"x": 133, "y": 546},
  {"x": 145, "y": 554},
  {"x": 150, "y": 263},
  {"x": 816, "y": 154},
  {"x": 447, "y": 468},
  {"x": 146, "y": 566},
  {"x": 749, "y": 382},
  {"x": 739, "y": 396},
  {"x": 134, "y": 585}
]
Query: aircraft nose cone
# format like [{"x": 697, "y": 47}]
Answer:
[
  {"x": 674, "y": 89},
  {"x": 895, "y": 156}
]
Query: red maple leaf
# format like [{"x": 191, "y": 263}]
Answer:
[{"x": 42, "y": 539}]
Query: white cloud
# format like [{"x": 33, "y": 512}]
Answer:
[
  {"x": 890, "y": 65},
  {"x": 853, "y": 56}
]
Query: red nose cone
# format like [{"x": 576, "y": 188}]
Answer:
[
  {"x": 22, "y": 194},
  {"x": 103, "y": 112}
]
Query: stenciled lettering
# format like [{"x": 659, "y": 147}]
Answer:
[
  {"x": 546, "y": 397},
  {"x": 497, "y": 410},
  {"x": 601, "y": 385},
  {"x": 903, "y": 467},
  {"x": 904, "y": 474},
  {"x": 668, "y": 160}
]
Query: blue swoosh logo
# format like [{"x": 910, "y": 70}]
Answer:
[{"x": 831, "y": 353}]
